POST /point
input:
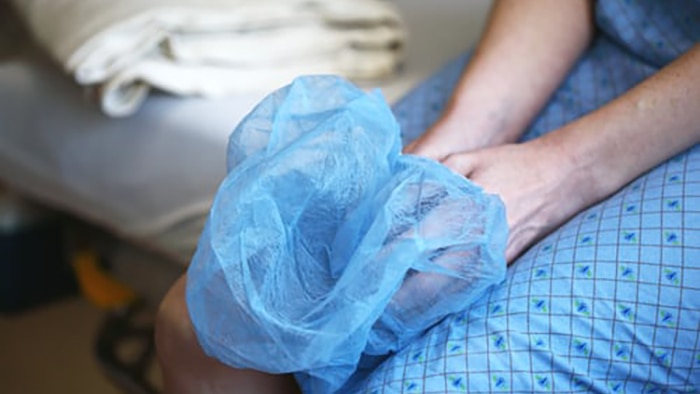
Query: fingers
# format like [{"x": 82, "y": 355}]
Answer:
[
  {"x": 425, "y": 148},
  {"x": 461, "y": 163},
  {"x": 411, "y": 148},
  {"x": 433, "y": 144}
]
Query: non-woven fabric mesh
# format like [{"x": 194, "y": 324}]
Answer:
[{"x": 326, "y": 248}]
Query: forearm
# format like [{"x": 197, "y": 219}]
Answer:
[
  {"x": 526, "y": 51},
  {"x": 649, "y": 124}
]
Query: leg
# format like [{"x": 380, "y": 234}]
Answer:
[
  {"x": 185, "y": 367},
  {"x": 610, "y": 302}
]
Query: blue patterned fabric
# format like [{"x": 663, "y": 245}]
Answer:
[{"x": 609, "y": 302}]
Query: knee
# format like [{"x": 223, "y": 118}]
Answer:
[
  {"x": 187, "y": 369},
  {"x": 172, "y": 324},
  {"x": 169, "y": 331},
  {"x": 176, "y": 343},
  {"x": 173, "y": 328}
]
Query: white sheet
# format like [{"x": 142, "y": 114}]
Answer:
[
  {"x": 152, "y": 176},
  {"x": 212, "y": 47}
]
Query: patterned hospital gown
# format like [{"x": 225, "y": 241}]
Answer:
[{"x": 610, "y": 302}]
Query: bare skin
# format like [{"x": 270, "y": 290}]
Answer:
[
  {"x": 525, "y": 52},
  {"x": 187, "y": 369},
  {"x": 546, "y": 181},
  {"x": 542, "y": 182}
]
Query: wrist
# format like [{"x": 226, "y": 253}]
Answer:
[
  {"x": 463, "y": 133},
  {"x": 482, "y": 120},
  {"x": 585, "y": 163}
]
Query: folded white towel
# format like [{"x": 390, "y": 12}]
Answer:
[{"x": 212, "y": 47}]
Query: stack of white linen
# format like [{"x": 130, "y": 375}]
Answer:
[{"x": 209, "y": 48}]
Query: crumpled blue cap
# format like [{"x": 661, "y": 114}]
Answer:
[{"x": 326, "y": 247}]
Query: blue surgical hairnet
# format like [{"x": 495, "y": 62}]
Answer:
[{"x": 326, "y": 248}]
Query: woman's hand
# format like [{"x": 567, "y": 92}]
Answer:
[
  {"x": 445, "y": 138},
  {"x": 545, "y": 181},
  {"x": 537, "y": 181}
]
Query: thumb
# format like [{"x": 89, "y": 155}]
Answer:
[
  {"x": 428, "y": 146},
  {"x": 461, "y": 163},
  {"x": 419, "y": 148},
  {"x": 411, "y": 148}
]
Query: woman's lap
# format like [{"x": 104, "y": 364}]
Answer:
[{"x": 608, "y": 302}]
